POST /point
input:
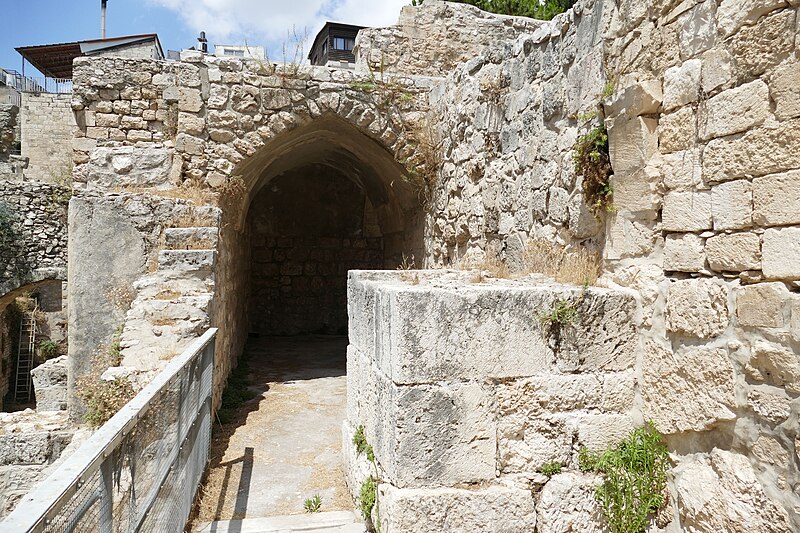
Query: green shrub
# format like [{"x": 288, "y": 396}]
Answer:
[
  {"x": 361, "y": 444},
  {"x": 562, "y": 313},
  {"x": 544, "y": 10},
  {"x": 48, "y": 349},
  {"x": 103, "y": 398},
  {"x": 313, "y": 504},
  {"x": 551, "y": 469},
  {"x": 634, "y": 478},
  {"x": 593, "y": 163},
  {"x": 368, "y": 496}
]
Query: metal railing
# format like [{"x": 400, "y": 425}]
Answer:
[
  {"x": 35, "y": 84},
  {"x": 141, "y": 470}
]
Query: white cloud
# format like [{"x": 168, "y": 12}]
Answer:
[{"x": 267, "y": 22}]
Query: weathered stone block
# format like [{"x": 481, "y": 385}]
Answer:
[
  {"x": 50, "y": 384},
  {"x": 716, "y": 70},
  {"x": 188, "y": 99},
  {"x": 784, "y": 87},
  {"x": 632, "y": 142},
  {"x": 187, "y": 260},
  {"x": 678, "y": 130},
  {"x": 697, "y": 308},
  {"x": 32, "y": 447},
  {"x": 697, "y": 29},
  {"x": 735, "y": 110},
  {"x": 733, "y": 14},
  {"x": 764, "y": 150},
  {"x": 415, "y": 326},
  {"x": 735, "y": 252},
  {"x": 687, "y": 211},
  {"x": 776, "y": 365},
  {"x": 689, "y": 390},
  {"x": 761, "y": 305},
  {"x": 129, "y": 166},
  {"x": 682, "y": 170},
  {"x": 681, "y": 84},
  {"x": 708, "y": 484},
  {"x": 776, "y": 199},
  {"x": 763, "y": 45},
  {"x": 781, "y": 253},
  {"x": 493, "y": 509},
  {"x": 732, "y": 205},
  {"x": 567, "y": 503},
  {"x": 684, "y": 253},
  {"x": 643, "y": 98}
]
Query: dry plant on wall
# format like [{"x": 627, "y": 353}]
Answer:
[
  {"x": 577, "y": 265},
  {"x": 426, "y": 161},
  {"x": 592, "y": 161}
]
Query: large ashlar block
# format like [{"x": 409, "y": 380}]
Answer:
[
  {"x": 781, "y": 253},
  {"x": 785, "y": 90},
  {"x": 761, "y": 305},
  {"x": 677, "y": 131},
  {"x": 129, "y": 166},
  {"x": 567, "y": 503},
  {"x": 767, "y": 149},
  {"x": 734, "y": 252},
  {"x": 690, "y": 390},
  {"x": 732, "y": 205},
  {"x": 643, "y": 98},
  {"x": 697, "y": 308},
  {"x": 493, "y": 509},
  {"x": 446, "y": 328},
  {"x": 632, "y": 142},
  {"x": 735, "y": 110},
  {"x": 687, "y": 211},
  {"x": 684, "y": 253},
  {"x": 776, "y": 199},
  {"x": 720, "y": 491},
  {"x": 681, "y": 84},
  {"x": 423, "y": 435}
]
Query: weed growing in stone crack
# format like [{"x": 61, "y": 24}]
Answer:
[
  {"x": 563, "y": 312},
  {"x": 593, "y": 163},
  {"x": 551, "y": 469},
  {"x": 313, "y": 504},
  {"x": 368, "y": 496},
  {"x": 634, "y": 478},
  {"x": 103, "y": 398},
  {"x": 115, "y": 348},
  {"x": 48, "y": 349}
]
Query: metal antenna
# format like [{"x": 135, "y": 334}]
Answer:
[{"x": 103, "y": 18}]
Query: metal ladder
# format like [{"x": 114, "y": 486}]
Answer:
[{"x": 26, "y": 350}]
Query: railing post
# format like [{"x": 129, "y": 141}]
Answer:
[{"x": 106, "y": 496}]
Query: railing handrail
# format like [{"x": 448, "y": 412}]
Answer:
[{"x": 37, "y": 507}]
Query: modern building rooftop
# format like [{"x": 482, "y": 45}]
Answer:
[{"x": 55, "y": 60}]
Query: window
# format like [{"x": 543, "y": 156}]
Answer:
[
  {"x": 343, "y": 43},
  {"x": 234, "y": 53}
]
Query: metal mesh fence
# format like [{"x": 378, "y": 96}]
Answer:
[{"x": 142, "y": 472}]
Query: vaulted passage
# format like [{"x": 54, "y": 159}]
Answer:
[{"x": 322, "y": 199}]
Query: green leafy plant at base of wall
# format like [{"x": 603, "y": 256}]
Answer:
[
  {"x": 368, "y": 496},
  {"x": 313, "y": 504},
  {"x": 634, "y": 478},
  {"x": 48, "y": 349},
  {"x": 236, "y": 392},
  {"x": 593, "y": 163}
]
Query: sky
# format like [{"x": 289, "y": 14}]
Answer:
[{"x": 178, "y": 22}]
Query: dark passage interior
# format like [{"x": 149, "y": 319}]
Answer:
[
  {"x": 308, "y": 227},
  {"x": 322, "y": 199}
]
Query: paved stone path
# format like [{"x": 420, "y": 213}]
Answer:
[{"x": 285, "y": 445}]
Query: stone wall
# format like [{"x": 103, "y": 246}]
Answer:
[
  {"x": 36, "y": 245},
  {"x": 433, "y": 40},
  {"x": 47, "y": 128},
  {"x": 8, "y": 124},
  {"x": 507, "y": 121}
]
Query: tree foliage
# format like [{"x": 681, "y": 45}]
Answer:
[{"x": 538, "y": 9}]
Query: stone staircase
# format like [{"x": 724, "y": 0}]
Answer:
[
  {"x": 172, "y": 305},
  {"x": 329, "y": 522}
]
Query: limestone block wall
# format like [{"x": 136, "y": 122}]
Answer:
[
  {"x": 35, "y": 243},
  {"x": 508, "y": 119},
  {"x": 47, "y": 128},
  {"x": 8, "y": 124},
  {"x": 464, "y": 392},
  {"x": 435, "y": 38}
]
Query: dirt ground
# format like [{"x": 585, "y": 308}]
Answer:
[{"x": 285, "y": 445}]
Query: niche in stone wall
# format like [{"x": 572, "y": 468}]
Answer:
[{"x": 308, "y": 227}]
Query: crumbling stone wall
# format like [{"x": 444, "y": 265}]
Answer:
[
  {"x": 8, "y": 124},
  {"x": 47, "y": 128},
  {"x": 37, "y": 233},
  {"x": 434, "y": 40}
]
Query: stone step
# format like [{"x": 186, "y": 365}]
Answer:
[
  {"x": 191, "y": 238},
  {"x": 187, "y": 260},
  {"x": 328, "y": 522}
]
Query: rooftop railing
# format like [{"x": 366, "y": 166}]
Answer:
[{"x": 141, "y": 470}]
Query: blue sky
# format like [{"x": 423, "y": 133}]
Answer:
[{"x": 177, "y": 22}]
